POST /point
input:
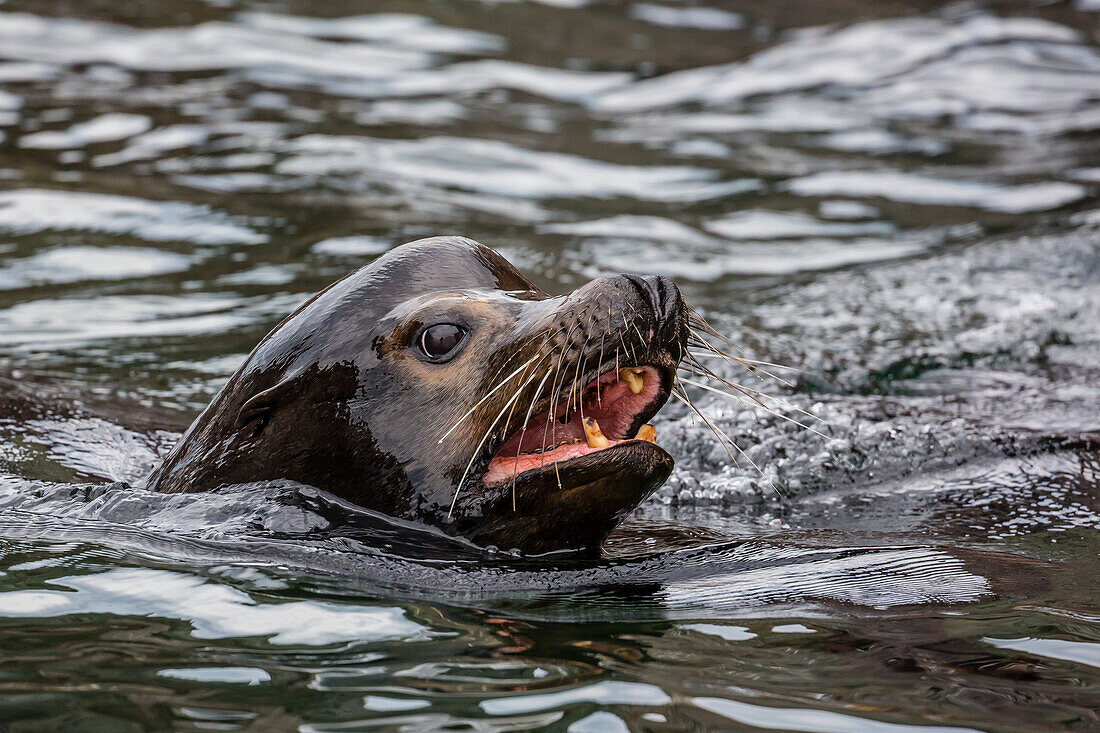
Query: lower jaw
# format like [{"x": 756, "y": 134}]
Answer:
[
  {"x": 571, "y": 509},
  {"x": 505, "y": 469},
  {"x": 572, "y": 496}
]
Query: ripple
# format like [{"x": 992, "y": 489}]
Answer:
[
  {"x": 71, "y": 323},
  {"x": 1081, "y": 652},
  {"x": 391, "y": 29},
  {"x": 352, "y": 246},
  {"x": 920, "y": 189},
  {"x": 819, "y": 721},
  {"x": 913, "y": 573},
  {"x": 74, "y": 264},
  {"x": 759, "y": 224},
  {"x": 105, "y": 128},
  {"x": 29, "y": 211},
  {"x": 722, "y": 258},
  {"x": 856, "y": 57},
  {"x": 608, "y": 692},
  {"x": 207, "y": 46},
  {"x": 705, "y": 18},
  {"x": 755, "y": 242},
  {"x": 628, "y": 226},
  {"x": 155, "y": 143},
  {"x": 226, "y": 675},
  {"x": 214, "y": 611},
  {"x": 494, "y": 167}
]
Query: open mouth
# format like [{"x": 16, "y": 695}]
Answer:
[{"x": 609, "y": 411}]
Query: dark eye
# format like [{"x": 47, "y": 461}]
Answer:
[{"x": 441, "y": 339}]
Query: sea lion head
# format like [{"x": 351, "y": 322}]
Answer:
[{"x": 440, "y": 385}]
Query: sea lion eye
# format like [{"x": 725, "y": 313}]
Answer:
[{"x": 441, "y": 339}]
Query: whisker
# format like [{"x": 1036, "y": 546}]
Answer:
[
  {"x": 487, "y": 396},
  {"x": 703, "y": 371},
  {"x": 556, "y": 393},
  {"x": 714, "y": 355},
  {"x": 599, "y": 360},
  {"x": 687, "y": 401},
  {"x": 748, "y": 365},
  {"x": 523, "y": 431},
  {"x": 720, "y": 434},
  {"x": 576, "y": 375},
  {"x": 477, "y": 450},
  {"x": 755, "y": 394},
  {"x": 780, "y": 415}
]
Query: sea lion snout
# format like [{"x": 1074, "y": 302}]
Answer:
[{"x": 645, "y": 314}]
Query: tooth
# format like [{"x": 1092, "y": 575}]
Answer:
[
  {"x": 592, "y": 432},
  {"x": 633, "y": 379},
  {"x": 647, "y": 433}
]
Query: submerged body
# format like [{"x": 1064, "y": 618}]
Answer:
[{"x": 439, "y": 385}]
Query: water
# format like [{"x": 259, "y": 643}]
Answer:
[{"x": 900, "y": 204}]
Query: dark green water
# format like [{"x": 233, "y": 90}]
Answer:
[{"x": 898, "y": 200}]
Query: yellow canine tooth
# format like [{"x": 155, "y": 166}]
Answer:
[
  {"x": 595, "y": 437},
  {"x": 633, "y": 379},
  {"x": 647, "y": 433}
]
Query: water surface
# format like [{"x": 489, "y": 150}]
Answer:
[{"x": 898, "y": 202}]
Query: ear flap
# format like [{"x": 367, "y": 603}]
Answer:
[{"x": 259, "y": 407}]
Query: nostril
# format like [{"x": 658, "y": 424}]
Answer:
[
  {"x": 647, "y": 287},
  {"x": 661, "y": 293},
  {"x": 671, "y": 300}
]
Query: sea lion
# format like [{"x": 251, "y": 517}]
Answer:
[{"x": 439, "y": 385}]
